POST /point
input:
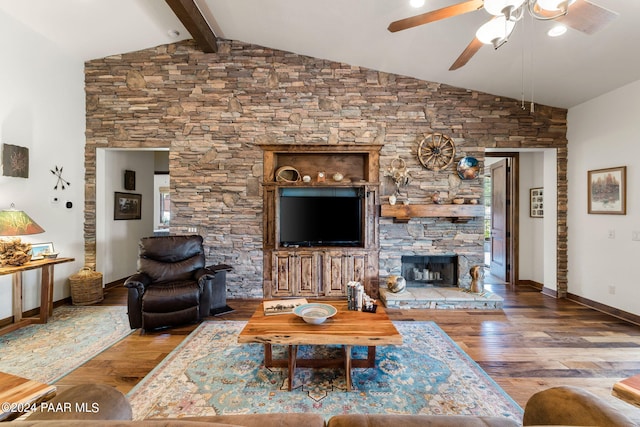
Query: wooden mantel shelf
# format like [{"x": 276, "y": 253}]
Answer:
[{"x": 457, "y": 213}]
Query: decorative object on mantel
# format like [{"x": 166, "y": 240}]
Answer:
[
  {"x": 458, "y": 201},
  {"x": 337, "y": 177},
  {"x": 15, "y": 161},
  {"x": 62, "y": 183},
  {"x": 436, "y": 151},
  {"x": 468, "y": 168},
  {"x": 436, "y": 198},
  {"x": 16, "y": 223},
  {"x": 287, "y": 174},
  {"x": 607, "y": 191},
  {"x": 321, "y": 176}
]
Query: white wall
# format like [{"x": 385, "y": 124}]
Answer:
[
  {"x": 604, "y": 133},
  {"x": 42, "y": 108},
  {"x": 531, "y": 241},
  {"x": 117, "y": 240}
]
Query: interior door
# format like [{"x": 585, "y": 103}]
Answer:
[{"x": 499, "y": 219}]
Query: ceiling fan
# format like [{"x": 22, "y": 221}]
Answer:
[{"x": 580, "y": 15}]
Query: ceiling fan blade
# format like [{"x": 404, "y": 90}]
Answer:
[
  {"x": 436, "y": 15},
  {"x": 587, "y": 17},
  {"x": 467, "y": 54}
]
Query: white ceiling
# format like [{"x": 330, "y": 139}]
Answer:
[{"x": 560, "y": 72}]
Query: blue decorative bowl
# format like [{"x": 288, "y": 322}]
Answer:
[{"x": 315, "y": 313}]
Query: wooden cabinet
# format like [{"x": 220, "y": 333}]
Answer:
[
  {"x": 320, "y": 271},
  {"x": 296, "y": 273}
]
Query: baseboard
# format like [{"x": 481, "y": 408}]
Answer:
[
  {"x": 549, "y": 292},
  {"x": 531, "y": 283},
  {"x": 620, "y": 314},
  {"x": 34, "y": 312}
]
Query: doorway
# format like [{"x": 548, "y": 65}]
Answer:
[{"x": 501, "y": 218}]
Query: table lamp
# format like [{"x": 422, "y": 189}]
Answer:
[{"x": 15, "y": 223}]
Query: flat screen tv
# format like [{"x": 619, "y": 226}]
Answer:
[{"x": 320, "y": 217}]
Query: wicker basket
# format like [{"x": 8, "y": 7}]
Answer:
[{"x": 86, "y": 287}]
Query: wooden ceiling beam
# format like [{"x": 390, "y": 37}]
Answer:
[{"x": 189, "y": 14}]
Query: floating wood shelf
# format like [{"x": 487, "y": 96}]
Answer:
[{"x": 457, "y": 213}]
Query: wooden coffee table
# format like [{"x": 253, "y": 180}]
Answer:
[
  {"x": 346, "y": 328},
  {"x": 19, "y": 395}
]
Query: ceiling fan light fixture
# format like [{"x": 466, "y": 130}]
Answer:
[
  {"x": 553, "y": 5},
  {"x": 416, "y": 3},
  {"x": 495, "y": 32},
  {"x": 497, "y": 7},
  {"x": 557, "y": 31}
]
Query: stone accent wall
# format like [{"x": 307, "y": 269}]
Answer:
[{"x": 213, "y": 109}]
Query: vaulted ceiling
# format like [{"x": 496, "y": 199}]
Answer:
[{"x": 561, "y": 72}]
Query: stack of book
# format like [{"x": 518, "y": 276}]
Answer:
[{"x": 357, "y": 299}]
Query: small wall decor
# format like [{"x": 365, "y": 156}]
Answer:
[
  {"x": 607, "y": 191},
  {"x": 129, "y": 180},
  {"x": 436, "y": 151},
  {"x": 127, "y": 206},
  {"x": 15, "y": 161},
  {"x": 536, "y": 203},
  {"x": 62, "y": 183},
  {"x": 468, "y": 168}
]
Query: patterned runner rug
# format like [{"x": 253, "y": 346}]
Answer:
[
  {"x": 74, "y": 334},
  {"x": 210, "y": 373}
]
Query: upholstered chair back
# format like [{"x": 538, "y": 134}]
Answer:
[{"x": 166, "y": 258}]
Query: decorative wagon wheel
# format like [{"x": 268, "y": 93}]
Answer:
[{"x": 436, "y": 151}]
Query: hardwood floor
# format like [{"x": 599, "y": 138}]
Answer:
[{"x": 534, "y": 343}]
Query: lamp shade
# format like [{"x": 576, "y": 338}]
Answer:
[
  {"x": 496, "y": 7},
  {"x": 496, "y": 31},
  {"x": 17, "y": 223}
]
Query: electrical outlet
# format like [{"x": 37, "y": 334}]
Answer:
[
  {"x": 635, "y": 235},
  {"x": 612, "y": 234},
  {"x": 612, "y": 289}
]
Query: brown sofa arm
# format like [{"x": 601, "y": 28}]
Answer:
[
  {"x": 571, "y": 406},
  {"x": 85, "y": 402},
  {"x": 384, "y": 420}
]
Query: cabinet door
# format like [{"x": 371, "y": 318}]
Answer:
[
  {"x": 308, "y": 274},
  {"x": 296, "y": 274},
  {"x": 283, "y": 274},
  {"x": 342, "y": 267}
]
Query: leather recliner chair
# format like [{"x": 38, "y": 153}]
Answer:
[{"x": 172, "y": 285}]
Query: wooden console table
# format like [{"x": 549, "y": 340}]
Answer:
[{"x": 46, "y": 291}]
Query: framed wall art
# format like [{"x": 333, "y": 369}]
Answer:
[
  {"x": 127, "y": 206},
  {"x": 15, "y": 161},
  {"x": 536, "y": 206},
  {"x": 39, "y": 249},
  {"x": 607, "y": 191},
  {"x": 130, "y": 180}
]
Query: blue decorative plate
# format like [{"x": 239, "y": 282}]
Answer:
[
  {"x": 468, "y": 168},
  {"x": 315, "y": 313}
]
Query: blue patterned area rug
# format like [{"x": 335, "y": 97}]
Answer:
[
  {"x": 210, "y": 373},
  {"x": 74, "y": 334}
]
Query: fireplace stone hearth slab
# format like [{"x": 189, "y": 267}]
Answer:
[{"x": 440, "y": 298}]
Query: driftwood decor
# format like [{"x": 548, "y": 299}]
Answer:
[{"x": 14, "y": 252}]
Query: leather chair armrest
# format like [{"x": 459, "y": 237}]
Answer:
[
  {"x": 219, "y": 267},
  {"x": 139, "y": 281}
]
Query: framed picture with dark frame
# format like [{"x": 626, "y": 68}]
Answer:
[
  {"x": 127, "y": 206},
  {"x": 607, "y": 191},
  {"x": 536, "y": 206},
  {"x": 130, "y": 180}
]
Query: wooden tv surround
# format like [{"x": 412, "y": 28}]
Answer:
[{"x": 320, "y": 271}]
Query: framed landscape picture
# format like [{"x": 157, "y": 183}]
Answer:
[
  {"x": 607, "y": 191},
  {"x": 39, "y": 249},
  {"x": 536, "y": 206},
  {"x": 127, "y": 206}
]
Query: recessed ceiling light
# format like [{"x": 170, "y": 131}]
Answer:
[
  {"x": 416, "y": 3},
  {"x": 173, "y": 33},
  {"x": 556, "y": 31}
]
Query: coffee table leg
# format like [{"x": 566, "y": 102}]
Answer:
[
  {"x": 268, "y": 356},
  {"x": 293, "y": 354},
  {"x": 347, "y": 366}
]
